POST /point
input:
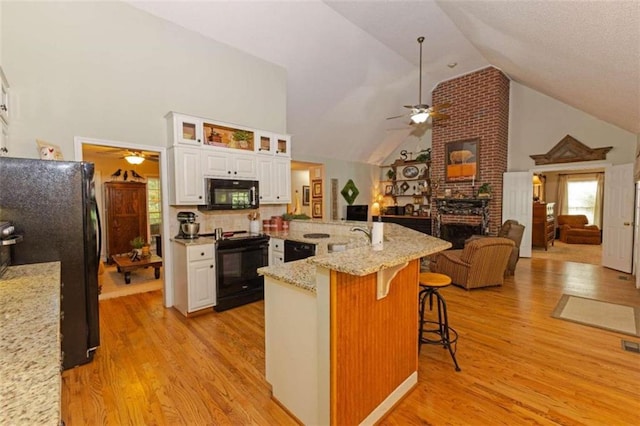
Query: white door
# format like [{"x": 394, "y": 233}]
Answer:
[
  {"x": 517, "y": 204},
  {"x": 617, "y": 228}
]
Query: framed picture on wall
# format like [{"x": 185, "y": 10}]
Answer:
[
  {"x": 388, "y": 190},
  {"x": 462, "y": 160},
  {"x": 316, "y": 209},
  {"x": 317, "y": 189},
  {"x": 305, "y": 195}
]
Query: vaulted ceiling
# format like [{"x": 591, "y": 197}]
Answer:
[{"x": 351, "y": 64}]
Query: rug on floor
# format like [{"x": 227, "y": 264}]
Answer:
[
  {"x": 596, "y": 313},
  {"x": 142, "y": 280}
]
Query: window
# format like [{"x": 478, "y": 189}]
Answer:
[
  {"x": 154, "y": 207},
  {"x": 581, "y": 197}
]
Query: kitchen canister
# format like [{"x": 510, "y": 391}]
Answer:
[{"x": 254, "y": 226}]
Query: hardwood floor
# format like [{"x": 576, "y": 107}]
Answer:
[{"x": 519, "y": 365}]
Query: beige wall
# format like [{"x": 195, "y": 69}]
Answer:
[
  {"x": 106, "y": 70},
  {"x": 537, "y": 123}
]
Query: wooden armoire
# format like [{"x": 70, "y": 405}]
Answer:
[{"x": 126, "y": 215}]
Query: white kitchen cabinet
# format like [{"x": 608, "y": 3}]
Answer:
[
  {"x": 272, "y": 144},
  {"x": 225, "y": 164},
  {"x": 282, "y": 179},
  {"x": 276, "y": 251},
  {"x": 4, "y": 97},
  {"x": 274, "y": 175},
  {"x": 185, "y": 129},
  {"x": 187, "y": 185},
  {"x": 194, "y": 277},
  {"x": 4, "y": 138}
]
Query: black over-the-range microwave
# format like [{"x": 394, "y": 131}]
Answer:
[{"x": 231, "y": 194}]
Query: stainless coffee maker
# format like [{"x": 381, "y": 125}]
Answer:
[{"x": 188, "y": 226}]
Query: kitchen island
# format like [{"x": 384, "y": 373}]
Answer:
[
  {"x": 341, "y": 328},
  {"x": 30, "y": 345}
]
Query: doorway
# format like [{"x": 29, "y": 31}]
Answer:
[{"x": 113, "y": 169}]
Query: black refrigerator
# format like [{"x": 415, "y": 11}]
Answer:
[{"x": 52, "y": 204}]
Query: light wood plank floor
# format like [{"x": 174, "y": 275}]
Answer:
[{"x": 519, "y": 365}]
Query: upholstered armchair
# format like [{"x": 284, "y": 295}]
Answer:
[
  {"x": 512, "y": 230},
  {"x": 574, "y": 230},
  {"x": 481, "y": 263}
]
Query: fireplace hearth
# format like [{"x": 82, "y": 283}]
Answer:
[{"x": 457, "y": 233}]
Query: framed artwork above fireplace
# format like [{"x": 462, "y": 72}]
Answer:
[{"x": 462, "y": 160}]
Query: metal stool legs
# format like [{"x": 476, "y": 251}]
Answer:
[{"x": 446, "y": 336}]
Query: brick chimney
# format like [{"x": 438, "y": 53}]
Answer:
[{"x": 479, "y": 110}]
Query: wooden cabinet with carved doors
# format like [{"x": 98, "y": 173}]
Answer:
[{"x": 126, "y": 215}]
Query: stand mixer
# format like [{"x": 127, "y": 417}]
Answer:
[{"x": 188, "y": 226}]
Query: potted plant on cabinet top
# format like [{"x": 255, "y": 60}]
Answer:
[{"x": 242, "y": 137}]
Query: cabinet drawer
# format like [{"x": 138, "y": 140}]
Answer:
[
  {"x": 203, "y": 252},
  {"x": 277, "y": 245}
]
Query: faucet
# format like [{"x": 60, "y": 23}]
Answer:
[{"x": 364, "y": 230}]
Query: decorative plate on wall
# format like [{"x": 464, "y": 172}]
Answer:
[
  {"x": 350, "y": 192},
  {"x": 410, "y": 172}
]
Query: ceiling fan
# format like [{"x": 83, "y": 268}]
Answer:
[
  {"x": 137, "y": 157},
  {"x": 421, "y": 112}
]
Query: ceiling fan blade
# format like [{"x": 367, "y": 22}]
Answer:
[
  {"x": 441, "y": 106},
  {"x": 396, "y": 116},
  {"x": 410, "y": 106},
  {"x": 439, "y": 116}
]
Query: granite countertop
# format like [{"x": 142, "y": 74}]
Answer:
[
  {"x": 195, "y": 241},
  {"x": 401, "y": 245},
  {"x": 30, "y": 345}
]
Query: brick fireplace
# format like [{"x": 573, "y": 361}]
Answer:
[{"x": 479, "y": 110}]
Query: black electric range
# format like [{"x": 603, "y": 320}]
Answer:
[{"x": 238, "y": 257}]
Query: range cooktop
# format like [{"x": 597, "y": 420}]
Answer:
[{"x": 237, "y": 235}]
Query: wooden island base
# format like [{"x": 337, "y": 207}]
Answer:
[{"x": 345, "y": 354}]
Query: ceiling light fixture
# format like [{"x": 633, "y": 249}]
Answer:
[
  {"x": 420, "y": 117},
  {"x": 134, "y": 158}
]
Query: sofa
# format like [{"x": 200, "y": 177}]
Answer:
[
  {"x": 574, "y": 229},
  {"x": 481, "y": 263}
]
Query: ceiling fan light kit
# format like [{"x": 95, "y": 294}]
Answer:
[
  {"x": 134, "y": 159},
  {"x": 420, "y": 117}
]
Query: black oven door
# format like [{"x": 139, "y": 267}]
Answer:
[{"x": 238, "y": 281}]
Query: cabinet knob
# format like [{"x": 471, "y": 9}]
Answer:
[
  {"x": 199, "y": 197},
  {"x": 235, "y": 173},
  {"x": 3, "y": 107},
  {"x": 211, "y": 266},
  {"x": 229, "y": 172},
  {"x": 201, "y": 254},
  {"x": 278, "y": 197},
  {"x": 198, "y": 140}
]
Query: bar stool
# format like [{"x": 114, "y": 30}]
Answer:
[{"x": 446, "y": 336}]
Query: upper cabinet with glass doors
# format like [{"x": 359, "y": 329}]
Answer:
[
  {"x": 273, "y": 144},
  {"x": 186, "y": 130}
]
